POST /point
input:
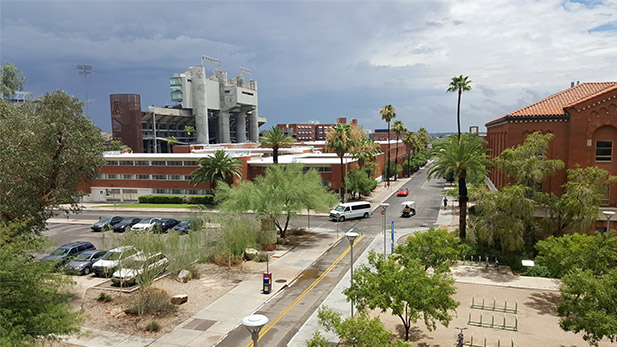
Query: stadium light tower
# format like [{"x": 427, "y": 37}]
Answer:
[{"x": 85, "y": 69}]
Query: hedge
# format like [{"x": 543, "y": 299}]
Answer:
[{"x": 177, "y": 199}]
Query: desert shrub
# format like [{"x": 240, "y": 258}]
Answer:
[
  {"x": 151, "y": 300},
  {"x": 153, "y": 326},
  {"x": 104, "y": 298},
  {"x": 261, "y": 257},
  {"x": 226, "y": 258}
]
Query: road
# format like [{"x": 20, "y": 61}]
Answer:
[{"x": 291, "y": 307}]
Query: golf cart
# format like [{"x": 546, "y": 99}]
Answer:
[{"x": 409, "y": 208}]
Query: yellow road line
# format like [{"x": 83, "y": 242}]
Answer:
[{"x": 306, "y": 291}]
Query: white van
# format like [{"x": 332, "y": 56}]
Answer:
[{"x": 351, "y": 210}]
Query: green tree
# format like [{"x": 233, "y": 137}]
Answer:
[
  {"x": 281, "y": 193},
  {"x": 34, "y": 301},
  {"x": 435, "y": 248},
  {"x": 358, "y": 181},
  {"x": 275, "y": 139},
  {"x": 339, "y": 139},
  {"x": 391, "y": 169},
  {"x": 117, "y": 145},
  {"x": 589, "y": 305},
  {"x": 11, "y": 80},
  {"x": 408, "y": 291},
  {"x": 388, "y": 112},
  {"x": 219, "y": 167},
  {"x": 459, "y": 84},
  {"x": 358, "y": 331},
  {"x": 528, "y": 164},
  {"x": 576, "y": 210},
  {"x": 47, "y": 148},
  {"x": 189, "y": 129},
  {"x": 503, "y": 217},
  {"x": 460, "y": 157},
  {"x": 570, "y": 252},
  {"x": 423, "y": 137},
  {"x": 171, "y": 141},
  {"x": 398, "y": 127},
  {"x": 365, "y": 151},
  {"x": 412, "y": 143}
]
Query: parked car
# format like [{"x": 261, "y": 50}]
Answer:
[
  {"x": 83, "y": 262},
  {"x": 351, "y": 210},
  {"x": 106, "y": 223},
  {"x": 167, "y": 223},
  {"x": 145, "y": 224},
  {"x": 64, "y": 252},
  {"x": 126, "y": 224},
  {"x": 402, "y": 192},
  {"x": 187, "y": 225},
  {"x": 153, "y": 265},
  {"x": 111, "y": 261}
]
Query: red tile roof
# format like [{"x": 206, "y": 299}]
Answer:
[{"x": 554, "y": 105}]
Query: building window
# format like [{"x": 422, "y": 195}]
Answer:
[
  {"x": 112, "y": 162},
  {"x": 128, "y": 177},
  {"x": 604, "y": 150},
  {"x": 160, "y": 191},
  {"x": 187, "y": 177},
  {"x": 158, "y": 162},
  {"x": 112, "y": 176},
  {"x": 143, "y": 177},
  {"x": 126, "y": 163},
  {"x": 174, "y": 162},
  {"x": 175, "y": 177},
  {"x": 190, "y": 163},
  {"x": 606, "y": 193},
  {"x": 142, "y": 163},
  {"x": 159, "y": 177}
]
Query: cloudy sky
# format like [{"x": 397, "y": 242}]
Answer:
[{"x": 318, "y": 60}]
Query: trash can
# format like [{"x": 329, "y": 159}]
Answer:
[{"x": 267, "y": 287}]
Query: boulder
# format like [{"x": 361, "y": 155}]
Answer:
[
  {"x": 117, "y": 313},
  {"x": 250, "y": 253},
  {"x": 179, "y": 299},
  {"x": 184, "y": 276}
]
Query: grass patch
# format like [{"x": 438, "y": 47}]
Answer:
[{"x": 138, "y": 205}]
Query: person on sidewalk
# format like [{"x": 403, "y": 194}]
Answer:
[{"x": 445, "y": 202}]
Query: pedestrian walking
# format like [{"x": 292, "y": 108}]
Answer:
[{"x": 445, "y": 202}]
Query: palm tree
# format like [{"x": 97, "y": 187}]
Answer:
[
  {"x": 388, "y": 113},
  {"x": 219, "y": 167},
  {"x": 340, "y": 141},
  {"x": 423, "y": 137},
  {"x": 411, "y": 143},
  {"x": 189, "y": 129},
  {"x": 398, "y": 127},
  {"x": 459, "y": 84},
  {"x": 276, "y": 139},
  {"x": 171, "y": 141},
  {"x": 460, "y": 157}
]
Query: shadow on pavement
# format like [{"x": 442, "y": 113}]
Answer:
[{"x": 544, "y": 303}]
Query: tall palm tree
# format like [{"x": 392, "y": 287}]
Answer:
[
  {"x": 398, "y": 127},
  {"x": 459, "y": 84},
  {"x": 422, "y": 135},
  {"x": 276, "y": 139},
  {"x": 410, "y": 140},
  {"x": 219, "y": 167},
  {"x": 460, "y": 157},
  {"x": 340, "y": 141},
  {"x": 388, "y": 113}
]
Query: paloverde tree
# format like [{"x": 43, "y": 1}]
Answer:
[
  {"x": 398, "y": 127},
  {"x": 47, "y": 148},
  {"x": 219, "y": 167},
  {"x": 280, "y": 194},
  {"x": 275, "y": 138},
  {"x": 460, "y": 157},
  {"x": 339, "y": 139},
  {"x": 436, "y": 248},
  {"x": 459, "y": 84},
  {"x": 388, "y": 112},
  {"x": 408, "y": 291}
]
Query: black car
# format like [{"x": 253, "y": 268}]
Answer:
[
  {"x": 125, "y": 224},
  {"x": 106, "y": 223},
  {"x": 64, "y": 252},
  {"x": 82, "y": 263},
  {"x": 186, "y": 225},
  {"x": 167, "y": 223}
]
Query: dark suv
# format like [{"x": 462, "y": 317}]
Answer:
[
  {"x": 64, "y": 252},
  {"x": 106, "y": 223}
]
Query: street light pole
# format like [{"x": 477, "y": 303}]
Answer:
[
  {"x": 254, "y": 323},
  {"x": 351, "y": 236},
  {"x": 384, "y": 206},
  {"x": 608, "y": 215}
]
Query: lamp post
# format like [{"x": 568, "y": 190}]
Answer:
[
  {"x": 254, "y": 323},
  {"x": 608, "y": 215},
  {"x": 351, "y": 236},
  {"x": 384, "y": 206}
]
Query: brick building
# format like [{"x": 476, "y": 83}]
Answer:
[{"x": 583, "y": 120}]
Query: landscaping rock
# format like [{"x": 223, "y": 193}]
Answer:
[
  {"x": 117, "y": 313},
  {"x": 250, "y": 253},
  {"x": 179, "y": 299},
  {"x": 184, "y": 276}
]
